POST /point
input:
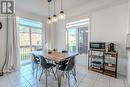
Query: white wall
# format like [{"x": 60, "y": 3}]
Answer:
[
  {"x": 28, "y": 15},
  {"x": 55, "y": 36},
  {"x": 60, "y": 40},
  {"x": 109, "y": 25},
  {"x": 50, "y": 35}
]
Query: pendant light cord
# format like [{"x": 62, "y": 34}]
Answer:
[
  {"x": 61, "y": 5},
  {"x": 49, "y": 9},
  {"x": 54, "y": 7}
]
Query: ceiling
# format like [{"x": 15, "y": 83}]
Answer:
[{"x": 40, "y": 7}]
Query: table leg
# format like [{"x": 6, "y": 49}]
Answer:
[
  {"x": 75, "y": 74},
  {"x": 58, "y": 76},
  {"x": 46, "y": 78}
]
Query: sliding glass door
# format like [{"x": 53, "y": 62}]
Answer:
[
  {"x": 77, "y": 39},
  {"x": 24, "y": 40},
  {"x": 36, "y": 39},
  {"x": 83, "y": 40},
  {"x": 72, "y": 39},
  {"x": 30, "y": 38}
]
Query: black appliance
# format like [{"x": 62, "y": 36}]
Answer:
[
  {"x": 97, "y": 45},
  {"x": 111, "y": 47}
]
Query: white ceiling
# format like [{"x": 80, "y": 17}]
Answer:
[{"x": 40, "y": 7}]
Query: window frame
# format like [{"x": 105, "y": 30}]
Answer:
[{"x": 18, "y": 24}]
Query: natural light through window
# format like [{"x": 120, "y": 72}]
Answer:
[
  {"x": 30, "y": 37},
  {"x": 78, "y": 23}
]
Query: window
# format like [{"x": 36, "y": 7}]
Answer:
[
  {"x": 30, "y": 37},
  {"x": 78, "y": 36}
]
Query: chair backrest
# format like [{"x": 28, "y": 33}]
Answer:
[
  {"x": 64, "y": 51},
  {"x": 70, "y": 64},
  {"x": 39, "y": 49},
  {"x": 35, "y": 59},
  {"x": 43, "y": 62},
  {"x": 55, "y": 50}
]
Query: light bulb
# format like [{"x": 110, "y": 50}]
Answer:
[
  {"x": 49, "y": 21},
  {"x": 54, "y": 19},
  {"x": 61, "y": 15}
]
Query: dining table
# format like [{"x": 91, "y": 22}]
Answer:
[{"x": 56, "y": 57}]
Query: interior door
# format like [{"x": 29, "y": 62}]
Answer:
[{"x": 83, "y": 40}]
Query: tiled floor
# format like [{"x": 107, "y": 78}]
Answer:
[{"x": 25, "y": 78}]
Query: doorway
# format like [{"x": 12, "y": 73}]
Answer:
[
  {"x": 77, "y": 39},
  {"x": 83, "y": 40},
  {"x": 30, "y": 38},
  {"x": 72, "y": 39}
]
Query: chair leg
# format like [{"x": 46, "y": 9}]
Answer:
[
  {"x": 36, "y": 70},
  {"x": 53, "y": 73},
  {"x": 68, "y": 79},
  {"x": 48, "y": 72},
  {"x": 57, "y": 69},
  {"x": 41, "y": 75},
  {"x": 75, "y": 71},
  {"x": 33, "y": 68},
  {"x": 74, "y": 76},
  {"x": 59, "y": 79},
  {"x": 63, "y": 74}
]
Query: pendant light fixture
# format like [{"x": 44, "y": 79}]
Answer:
[
  {"x": 54, "y": 18},
  {"x": 49, "y": 21},
  {"x": 61, "y": 15}
]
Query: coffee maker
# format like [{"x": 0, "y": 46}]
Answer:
[{"x": 111, "y": 47}]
